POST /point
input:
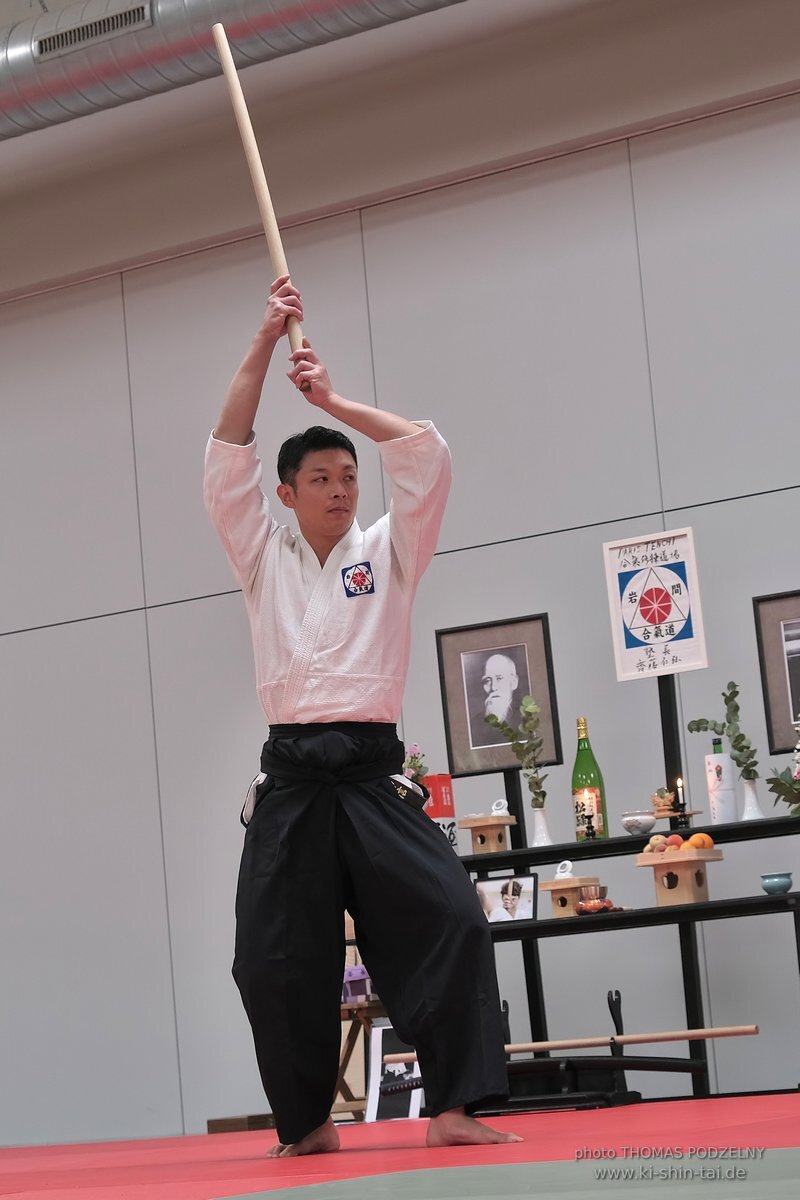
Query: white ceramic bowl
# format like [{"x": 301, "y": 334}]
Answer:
[{"x": 641, "y": 821}]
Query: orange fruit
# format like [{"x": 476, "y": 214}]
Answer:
[{"x": 701, "y": 841}]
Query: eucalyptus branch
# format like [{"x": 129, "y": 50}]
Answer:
[
  {"x": 526, "y": 743},
  {"x": 742, "y": 751}
]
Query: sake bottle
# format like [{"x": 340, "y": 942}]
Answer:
[
  {"x": 721, "y": 783},
  {"x": 588, "y": 791}
]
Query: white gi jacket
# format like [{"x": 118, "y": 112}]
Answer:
[{"x": 331, "y": 643}]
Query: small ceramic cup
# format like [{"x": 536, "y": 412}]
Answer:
[{"x": 776, "y": 883}]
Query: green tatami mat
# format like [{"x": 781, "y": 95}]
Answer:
[{"x": 774, "y": 1176}]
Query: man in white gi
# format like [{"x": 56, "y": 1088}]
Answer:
[{"x": 329, "y": 611}]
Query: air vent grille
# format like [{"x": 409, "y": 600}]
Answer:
[{"x": 67, "y": 40}]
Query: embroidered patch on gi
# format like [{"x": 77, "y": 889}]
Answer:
[{"x": 358, "y": 579}]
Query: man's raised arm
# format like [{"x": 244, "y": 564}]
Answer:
[
  {"x": 310, "y": 374},
  {"x": 235, "y": 424}
]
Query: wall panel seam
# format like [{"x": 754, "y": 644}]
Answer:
[
  {"x": 159, "y": 801},
  {"x": 643, "y": 303},
  {"x": 684, "y": 509}
]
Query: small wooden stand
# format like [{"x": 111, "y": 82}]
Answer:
[
  {"x": 681, "y": 876},
  {"x": 565, "y": 893},
  {"x": 489, "y": 832}
]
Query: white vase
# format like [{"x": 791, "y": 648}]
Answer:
[
  {"x": 541, "y": 834},
  {"x": 752, "y": 809}
]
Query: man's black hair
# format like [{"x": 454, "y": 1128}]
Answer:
[{"x": 295, "y": 448}]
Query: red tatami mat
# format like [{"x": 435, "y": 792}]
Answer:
[{"x": 204, "y": 1168}]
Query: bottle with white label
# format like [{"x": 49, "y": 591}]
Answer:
[{"x": 721, "y": 784}]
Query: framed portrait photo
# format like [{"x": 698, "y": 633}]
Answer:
[
  {"x": 778, "y": 634},
  {"x": 513, "y": 899},
  {"x": 488, "y": 669}
]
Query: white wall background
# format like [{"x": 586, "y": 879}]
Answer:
[{"x": 606, "y": 338}]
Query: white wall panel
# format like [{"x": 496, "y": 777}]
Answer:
[
  {"x": 509, "y": 310},
  {"x": 644, "y": 965},
  {"x": 752, "y": 965},
  {"x": 716, "y": 206},
  {"x": 68, "y": 523},
  {"x": 563, "y": 575},
  {"x": 189, "y": 324},
  {"x": 744, "y": 548},
  {"x": 89, "y": 1049},
  {"x": 210, "y": 730},
  {"x": 496, "y": 81}
]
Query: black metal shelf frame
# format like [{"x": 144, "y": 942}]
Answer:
[
  {"x": 685, "y": 916},
  {"x": 614, "y": 847}
]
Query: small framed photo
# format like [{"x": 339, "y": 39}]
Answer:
[
  {"x": 488, "y": 669},
  {"x": 511, "y": 899},
  {"x": 778, "y": 635}
]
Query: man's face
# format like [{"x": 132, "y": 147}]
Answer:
[
  {"x": 499, "y": 682},
  {"x": 510, "y": 903},
  {"x": 325, "y": 493}
]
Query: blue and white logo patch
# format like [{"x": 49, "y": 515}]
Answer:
[{"x": 358, "y": 580}]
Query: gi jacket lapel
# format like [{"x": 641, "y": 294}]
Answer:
[{"x": 321, "y": 596}]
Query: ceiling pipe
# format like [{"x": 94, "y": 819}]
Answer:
[{"x": 102, "y": 53}]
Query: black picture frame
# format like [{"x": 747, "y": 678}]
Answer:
[
  {"x": 473, "y": 747},
  {"x": 777, "y": 620}
]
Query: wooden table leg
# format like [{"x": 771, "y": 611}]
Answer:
[{"x": 343, "y": 1089}]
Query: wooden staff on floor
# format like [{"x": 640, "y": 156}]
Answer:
[{"x": 623, "y": 1039}]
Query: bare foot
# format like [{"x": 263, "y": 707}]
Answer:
[
  {"x": 455, "y": 1128},
  {"x": 323, "y": 1140}
]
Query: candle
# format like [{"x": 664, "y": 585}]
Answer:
[{"x": 679, "y": 783}]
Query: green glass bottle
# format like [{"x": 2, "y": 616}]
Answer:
[{"x": 588, "y": 790}]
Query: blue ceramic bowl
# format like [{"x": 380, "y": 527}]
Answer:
[{"x": 776, "y": 884}]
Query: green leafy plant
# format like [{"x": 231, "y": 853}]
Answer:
[
  {"x": 785, "y": 787},
  {"x": 785, "y": 784},
  {"x": 742, "y": 751},
  {"x": 526, "y": 742}
]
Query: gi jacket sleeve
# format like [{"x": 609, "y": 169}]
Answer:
[
  {"x": 238, "y": 508},
  {"x": 420, "y": 471}
]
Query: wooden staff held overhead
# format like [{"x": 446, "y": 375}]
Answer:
[{"x": 268, "y": 219}]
